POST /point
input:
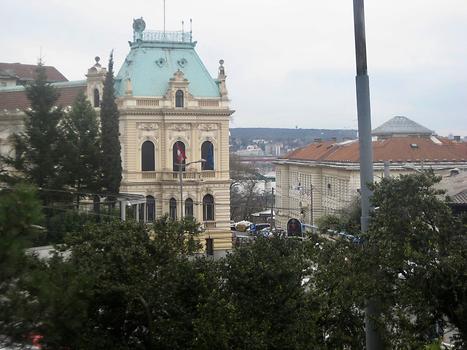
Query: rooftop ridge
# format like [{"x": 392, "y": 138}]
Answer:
[{"x": 59, "y": 84}]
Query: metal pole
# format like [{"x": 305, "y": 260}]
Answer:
[
  {"x": 123, "y": 210},
  {"x": 373, "y": 340},
  {"x": 311, "y": 204},
  {"x": 272, "y": 207},
  {"x": 180, "y": 175},
  {"x": 164, "y": 17}
]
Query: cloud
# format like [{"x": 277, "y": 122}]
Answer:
[{"x": 288, "y": 62}]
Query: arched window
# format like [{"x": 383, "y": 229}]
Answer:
[
  {"x": 150, "y": 208},
  {"x": 208, "y": 208},
  {"x": 179, "y": 156},
  {"x": 189, "y": 207},
  {"x": 147, "y": 157},
  {"x": 207, "y": 153},
  {"x": 179, "y": 98},
  {"x": 142, "y": 209},
  {"x": 173, "y": 208},
  {"x": 97, "y": 100}
]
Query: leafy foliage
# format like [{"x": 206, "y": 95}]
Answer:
[
  {"x": 20, "y": 211},
  {"x": 421, "y": 249},
  {"x": 130, "y": 286}
]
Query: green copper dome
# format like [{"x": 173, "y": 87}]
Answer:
[{"x": 155, "y": 57}]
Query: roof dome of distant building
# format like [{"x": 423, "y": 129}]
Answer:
[
  {"x": 401, "y": 126},
  {"x": 153, "y": 60}
]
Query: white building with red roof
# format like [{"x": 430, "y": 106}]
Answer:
[{"x": 324, "y": 177}]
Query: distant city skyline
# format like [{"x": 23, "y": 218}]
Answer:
[{"x": 288, "y": 63}]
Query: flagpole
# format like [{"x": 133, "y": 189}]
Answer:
[
  {"x": 181, "y": 166},
  {"x": 180, "y": 176}
]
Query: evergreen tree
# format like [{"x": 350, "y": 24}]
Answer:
[
  {"x": 81, "y": 156},
  {"x": 111, "y": 160},
  {"x": 39, "y": 147}
]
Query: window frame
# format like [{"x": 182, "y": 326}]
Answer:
[
  {"x": 208, "y": 208},
  {"x": 179, "y": 99},
  {"x": 152, "y": 159},
  {"x": 173, "y": 208},
  {"x": 207, "y": 165},
  {"x": 189, "y": 204}
]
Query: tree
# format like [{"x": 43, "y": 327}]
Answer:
[
  {"x": 244, "y": 196},
  {"x": 38, "y": 149},
  {"x": 81, "y": 149},
  {"x": 111, "y": 159},
  {"x": 124, "y": 286},
  {"x": 346, "y": 219},
  {"x": 421, "y": 249},
  {"x": 20, "y": 213},
  {"x": 261, "y": 301}
]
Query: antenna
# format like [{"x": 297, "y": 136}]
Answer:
[
  {"x": 191, "y": 29},
  {"x": 40, "y": 55},
  {"x": 183, "y": 26},
  {"x": 164, "y": 16}
]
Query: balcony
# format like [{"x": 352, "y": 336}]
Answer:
[
  {"x": 155, "y": 176},
  {"x": 209, "y": 224}
]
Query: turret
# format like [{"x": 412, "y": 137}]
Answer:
[{"x": 95, "y": 83}]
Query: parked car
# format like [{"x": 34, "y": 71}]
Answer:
[{"x": 256, "y": 228}]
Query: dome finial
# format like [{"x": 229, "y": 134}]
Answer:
[{"x": 221, "y": 68}]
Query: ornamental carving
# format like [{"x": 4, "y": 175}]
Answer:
[
  {"x": 148, "y": 126},
  {"x": 208, "y": 127},
  {"x": 179, "y": 127}
]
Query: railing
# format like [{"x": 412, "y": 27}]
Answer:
[
  {"x": 209, "y": 224},
  {"x": 208, "y": 103},
  {"x": 176, "y": 36},
  {"x": 171, "y": 175},
  {"x": 147, "y": 103},
  {"x": 208, "y": 174}
]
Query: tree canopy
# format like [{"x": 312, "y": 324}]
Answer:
[{"x": 125, "y": 285}]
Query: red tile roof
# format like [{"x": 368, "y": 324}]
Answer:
[
  {"x": 395, "y": 149},
  {"x": 16, "y": 98},
  {"x": 28, "y": 71}
]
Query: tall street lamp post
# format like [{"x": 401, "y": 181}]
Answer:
[
  {"x": 180, "y": 177},
  {"x": 373, "y": 340}
]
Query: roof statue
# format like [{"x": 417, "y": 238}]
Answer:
[{"x": 400, "y": 125}]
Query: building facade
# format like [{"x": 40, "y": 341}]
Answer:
[
  {"x": 174, "y": 128},
  {"x": 324, "y": 177},
  {"x": 174, "y": 120}
]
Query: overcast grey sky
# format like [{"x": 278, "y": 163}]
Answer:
[{"x": 289, "y": 63}]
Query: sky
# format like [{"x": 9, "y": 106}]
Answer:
[{"x": 289, "y": 63}]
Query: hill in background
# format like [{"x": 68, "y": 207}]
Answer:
[{"x": 241, "y": 137}]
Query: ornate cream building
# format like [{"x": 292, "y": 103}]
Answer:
[
  {"x": 324, "y": 177},
  {"x": 174, "y": 129}
]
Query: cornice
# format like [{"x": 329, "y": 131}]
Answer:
[{"x": 181, "y": 112}]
